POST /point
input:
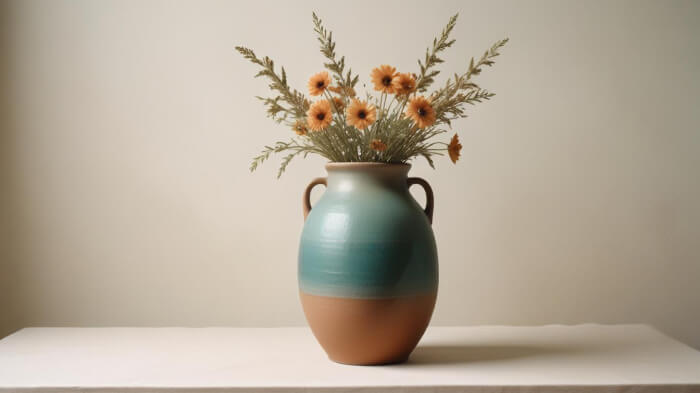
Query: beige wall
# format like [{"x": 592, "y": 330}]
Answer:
[
  {"x": 7, "y": 314},
  {"x": 133, "y": 124}
]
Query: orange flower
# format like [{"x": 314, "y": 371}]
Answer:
[
  {"x": 360, "y": 114},
  {"x": 338, "y": 104},
  {"x": 319, "y": 116},
  {"x": 300, "y": 127},
  {"x": 404, "y": 83},
  {"x": 318, "y": 83},
  {"x": 420, "y": 110},
  {"x": 382, "y": 77},
  {"x": 348, "y": 91},
  {"x": 454, "y": 148},
  {"x": 377, "y": 145}
]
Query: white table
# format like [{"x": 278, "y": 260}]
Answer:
[{"x": 583, "y": 358}]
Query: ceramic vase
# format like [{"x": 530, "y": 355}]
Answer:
[{"x": 368, "y": 266}]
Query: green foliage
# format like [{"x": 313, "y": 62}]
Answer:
[
  {"x": 449, "y": 100},
  {"x": 337, "y": 67},
  {"x": 427, "y": 74},
  {"x": 296, "y": 104}
]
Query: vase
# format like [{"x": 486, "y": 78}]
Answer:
[{"x": 368, "y": 267}]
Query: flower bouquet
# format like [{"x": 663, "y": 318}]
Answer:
[{"x": 397, "y": 123}]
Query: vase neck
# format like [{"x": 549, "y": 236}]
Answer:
[{"x": 347, "y": 176}]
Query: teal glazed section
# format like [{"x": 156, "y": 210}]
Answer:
[{"x": 367, "y": 237}]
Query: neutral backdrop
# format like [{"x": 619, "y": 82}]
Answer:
[{"x": 128, "y": 128}]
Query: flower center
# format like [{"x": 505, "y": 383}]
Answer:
[
  {"x": 320, "y": 84},
  {"x": 361, "y": 114},
  {"x": 386, "y": 81},
  {"x": 321, "y": 116},
  {"x": 422, "y": 112}
]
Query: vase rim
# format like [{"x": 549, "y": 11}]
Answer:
[{"x": 365, "y": 165}]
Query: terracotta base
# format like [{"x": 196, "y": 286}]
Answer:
[{"x": 368, "y": 331}]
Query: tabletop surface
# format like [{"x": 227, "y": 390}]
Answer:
[{"x": 553, "y": 358}]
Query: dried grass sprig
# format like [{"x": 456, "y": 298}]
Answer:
[
  {"x": 337, "y": 67},
  {"x": 427, "y": 74},
  {"x": 297, "y": 105}
]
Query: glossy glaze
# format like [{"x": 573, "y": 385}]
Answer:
[{"x": 368, "y": 240}]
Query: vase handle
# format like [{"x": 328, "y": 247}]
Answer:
[
  {"x": 429, "y": 199},
  {"x": 306, "y": 200}
]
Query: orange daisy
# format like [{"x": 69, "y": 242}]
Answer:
[
  {"x": 454, "y": 148},
  {"x": 377, "y": 145},
  {"x": 318, "y": 83},
  {"x": 383, "y": 77},
  {"x": 360, "y": 114},
  {"x": 319, "y": 116},
  {"x": 420, "y": 110},
  {"x": 404, "y": 83},
  {"x": 338, "y": 104},
  {"x": 300, "y": 127}
]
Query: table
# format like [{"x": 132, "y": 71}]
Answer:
[{"x": 485, "y": 359}]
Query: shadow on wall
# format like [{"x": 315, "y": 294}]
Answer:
[{"x": 8, "y": 320}]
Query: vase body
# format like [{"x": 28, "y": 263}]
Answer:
[{"x": 368, "y": 269}]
